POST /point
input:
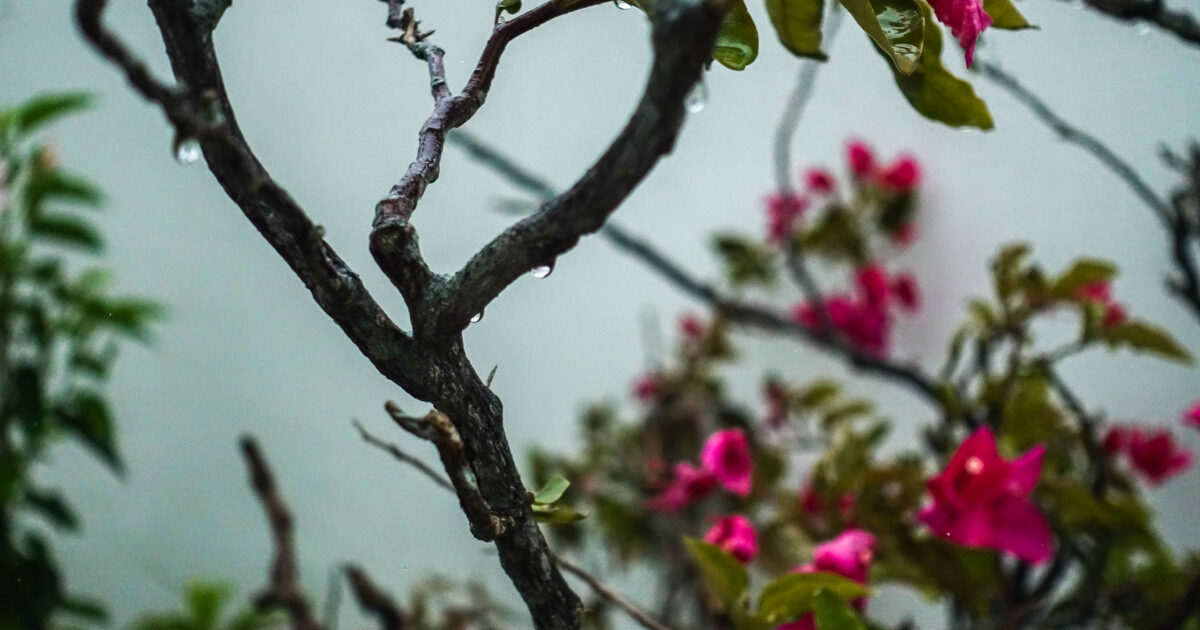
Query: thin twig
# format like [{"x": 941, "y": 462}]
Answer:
[
  {"x": 400, "y": 455},
  {"x": 1070, "y": 133},
  {"x": 283, "y": 588},
  {"x": 1177, "y": 22},
  {"x": 373, "y": 599}
]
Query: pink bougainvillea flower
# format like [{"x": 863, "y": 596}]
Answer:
[
  {"x": 983, "y": 500},
  {"x": 815, "y": 507},
  {"x": 904, "y": 289},
  {"x": 1191, "y": 417},
  {"x": 849, "y": 555},
  {"x": 647, "y": 388},
  {"x": 872, "y": 283},
  {"x": 1156, "y": 456},
  {"x": 783, "y": 210},
  {"x": 735, "y": 535},
  {"x": 903, "y": 235},
  {"x": 1116, "y": 439},
  {"x": 1100, "y": 292},
  {"x": 866, "y": 326},
  {"x": 819, "y": 181},
  {"x": 902, "y": 176},
  {"x": 692, "y": 328},
  {"x": 860, "y": 158},
  {"x": 1114, "y": 315},
  {"x": 966, "y": 19},
  {"x": 726, "y": 454},
  {"x": 690, "y": 484}
]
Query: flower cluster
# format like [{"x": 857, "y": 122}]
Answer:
[
  {"x": 864, "y": 317},
  {"x": 725, "y": 459},
  {"x": 1152, "y": 453},
  {"x": 849, "y": 555},
  {"x": 1113, "y": 313}
]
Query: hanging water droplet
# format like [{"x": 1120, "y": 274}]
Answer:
[
  {"x": 542, "y": 271},
  {"x": 475, "y": 319},
  {"x": 500, "y": 20},
  {"x": 1143, "y": 29},
  {"x": 622, "y": 5},
  {"x": 187, "y": 151},
  {"x": 697, "y": 99}
]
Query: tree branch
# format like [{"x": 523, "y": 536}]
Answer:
[
  {"x": 374, "y": 600},
  {"x": 283, "y": 589},
  {"x": 1070, "y": 133},
  {"x": 683, "y": 36},
  {"x": 1178, "y": 22},
  {"x": 403, "y": 457}
]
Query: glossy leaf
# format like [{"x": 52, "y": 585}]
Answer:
[
  {"x": 797, "y": 23},
  {"x": 725, "y": 576},
  {"x": 737, "y": 41},
  {"x": 1145, "y": 337},
  {"x": 833, "y": 613},
  {"x": 1005, "y": 15},
  {"x": 552, "y": 490},
  {"x": 557, "y": 514},
  {"x": 792, "y": 595},
  {"x": 896, "y": 26},
  {"x": 507, "y": 6},
  {"x": 41, "y": 110},
  {"x": 935, "y": 93}
]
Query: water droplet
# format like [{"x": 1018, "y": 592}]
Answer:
[
  {"x": 974, "y": 465},
  {"x": 500, "y": 20},
  {"x": 1143, "y": 30},
  {"x": 697, "y": 99},
  {"x": 475, "y": 319},
  {"x": 622, "y": 5},
  {"x": 542, "y": 271},
  {"x": 187, "y": 151}
]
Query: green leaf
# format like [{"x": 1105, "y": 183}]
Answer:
[
  {"x": 725, "y": 576},
  {"x": 792, "y": 595},
  {"x": 56, "y": 185},
  {"x": 746, "y": 261},
  {"x": 557, "y": 514},
  {"x": 935, "y": 93},
  {"x": 66, "y": 230},
  {"x": 1145, "y": 337},
  {"x": 41, "y": 110},
  {"x": 1081, "y": 273},
  {"x": 798, "y": 25},
  {"x": 53, "y": 506},
  {"x": 205, "y": 601},
  {"x": 896, "y": 27},
  {"x": 835, "y": 614},
  {"x": 737, "y": 41},
  {"x": 87, "y": 416},
  {"x": 1005, "y": 15},
  {"x": 507, "y": 6},
  {"x": 552, "y": 490}
]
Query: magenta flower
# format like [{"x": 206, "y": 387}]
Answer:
[
  {"x": 1156, "y": 456},
  {"x": 966, "y": 19},
  {"x": 983, "y": 500},
  {"x": 1100, "y": 292},
  {"x": 849, "y": 555},
  {"x": 901, "y": 176},
  {"x": 904, "y": 289},
  {"x": 1116, "y": 439},
  {"x": 860, "y": 158},
  {"x": 735, "y": 535},
  {"x": 690, "y": 484},
  {"x": 726, "y": 454},
  {"x": 647, "y": 388},
  {"x": 872, "y": 283},
  {"x": 866, "y": 326},
  {"x": 819, "y": 181},
  {"x": 903, "y": 235},
  {"x": 1191, "y": 417},
  {"x": 692, "y": 328},
  {"x": 783, "y": 210}
]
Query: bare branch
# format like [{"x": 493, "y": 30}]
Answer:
[
  {"x": 437, "y": 428},
  {"x": 1070, "y": 133},
  {"x": 607, "y": 593},
  {"x": 374, "y": 600},
  {"x": 683, "y": 37},
  {"x": 283, "y": 589},
  {"x": 1178, "y": 22},
  {"x": 400, "y": 455}
]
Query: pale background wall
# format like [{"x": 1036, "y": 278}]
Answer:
[{"x": 332, "y": 109}]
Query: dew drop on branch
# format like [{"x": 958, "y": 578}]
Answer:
[
  {"x": 622, "y": 5},
  {"x": 697, "y": 99},
  {"x": 542, "y": 271},
  {"x": 187, "y": 151},
  {"x": 477, "y": 317}
]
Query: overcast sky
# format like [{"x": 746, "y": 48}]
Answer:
[{"x": 333, "y": 109}]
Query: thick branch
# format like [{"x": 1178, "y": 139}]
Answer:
[
  {"x": 683, "y": 35},
  {"x": 283, "y": 589},
  {"x": 204, "y": 112},
  {"x": 1070, "y": 133},
  {"x": 1175, "y": 21},
  {"x": 393, "y": 238}
]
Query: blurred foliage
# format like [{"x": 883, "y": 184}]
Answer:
[
  {"x": 59, "y": 332},
  {"x": 204, "y": 606}
]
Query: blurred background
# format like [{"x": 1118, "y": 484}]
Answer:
[{"x": 332, "y": 109}]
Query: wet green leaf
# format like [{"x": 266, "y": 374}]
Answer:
[
  {"x": 896, "y": 26},
  {"x": 556, "y": 514},
  {"x": 737, "y": 41},
  {"x": 725, "y": 576},
  {"x": 792, "y": 595},
  {"x": 507, "y": 6},
  {"x": 797, "y": 23},
  {"x": 833, "y": 613},
  {"x": 552, "y": 490},
  {"x": 935, "y": 93},
  {"x": 40, "y": 111},
  {"x": 1005, "y": 15}
]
